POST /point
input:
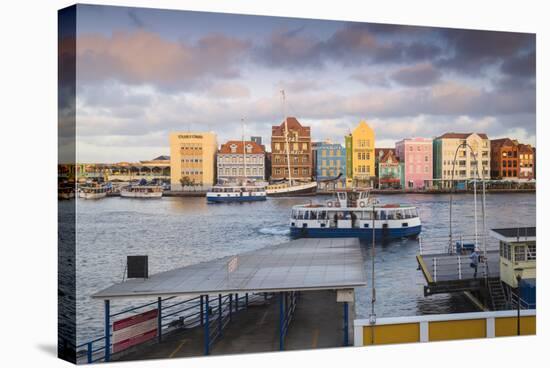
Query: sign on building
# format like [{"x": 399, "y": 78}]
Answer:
[{"x": 134, "y": 330}]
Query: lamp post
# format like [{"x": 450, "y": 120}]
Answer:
[{"x": 518, "y": 278}]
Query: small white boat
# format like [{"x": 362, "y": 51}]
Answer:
[
  {"x": 354, "y": 214},
  {"x": 236, "y": 193},
  {"x": 93, "y": 191},
  {"x": 141, "y": 191},
  {"x": 295, "y": 189}
]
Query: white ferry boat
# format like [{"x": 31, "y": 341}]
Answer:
[
  {"x": 94, "y": 190},
  {"x": 236, "y": 193},
  {"x": 354, "y": 214},
  {"x": 141, "y": 191}
]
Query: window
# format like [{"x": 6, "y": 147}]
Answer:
[
  {"x": 304, "y": 146},
  {"x": 531, "y": 252},
  {"x": 519, "y": 253}
]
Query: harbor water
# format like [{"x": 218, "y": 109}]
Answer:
[{"x": 179, "y": 231}]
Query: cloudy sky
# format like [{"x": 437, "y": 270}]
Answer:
[{"x": 142, "y": 73}]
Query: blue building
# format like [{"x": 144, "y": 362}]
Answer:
[{"x": 330, "y": 162}]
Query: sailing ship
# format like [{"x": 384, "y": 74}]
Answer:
[
  {"x": 354, "y": 213},
  {"x": 290, "y": 187}
]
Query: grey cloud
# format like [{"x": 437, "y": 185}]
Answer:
[
  {"x": 417, "y": 75},
  {"x": 371, "y": 79},
  {"x": 523, "y": 65},
  {"x": 472, "y": 51}
]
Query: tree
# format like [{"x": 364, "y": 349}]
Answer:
[{"x": 186, "y": 181}]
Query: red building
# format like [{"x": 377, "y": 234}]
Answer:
[{"x": 298, "y": 150}]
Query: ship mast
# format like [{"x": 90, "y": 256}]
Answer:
[
  {"x": 244, "y": 153},
  {"x": 286, "y": 139}
]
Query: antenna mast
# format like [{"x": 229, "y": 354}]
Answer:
[{"x": 286, "y": 139}]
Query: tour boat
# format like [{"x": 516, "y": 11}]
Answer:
[
  {"x": 354, "y": 214},
  {"x": 94, "y": 190},
  {"x": 236, "y": 193},
  {"x": 65, "y": 192},
  {"x": 141, "y": 191}
]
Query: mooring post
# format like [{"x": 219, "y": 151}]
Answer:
[
  {"x": 246, "y": 300},
  {"x": 346, "y": 324},
  {"x": 159, "y": 319},
  {"x": 206, "y": 326},
  {"x": 107, "y": 330},
  {"x": 236, "y": 302}
]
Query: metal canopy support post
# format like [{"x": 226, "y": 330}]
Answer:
[
  {"x": 230, "y": 306},
  {"x": 159, "y": 319},
  {"x": 206, "y": 326},
  {"x": 220, "y": 315},
  {"x": 281, "y": 321},
  {"x": 202, "y": 310},
  {"x": 107, "y": 331},
  {"x": 346, "y": 324}
]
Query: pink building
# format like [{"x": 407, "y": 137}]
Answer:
[{"x": 416, "y": 157}]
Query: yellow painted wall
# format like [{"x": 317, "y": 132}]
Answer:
[
  {"x": 392, "y": 334},
  {"x": 456, "y": 330},
  {"x": 508, "y": 326},
  {"x": 209, "y": 147},
  {"x": 363, "y": 142}
]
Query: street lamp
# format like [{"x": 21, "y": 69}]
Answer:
[{"x": 518, "y": 279}]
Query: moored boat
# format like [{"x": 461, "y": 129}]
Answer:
[
  {"x": 94, "y": 190},
  {"x": 236, "y": 193},
  {"x": 355, "y": 214},
  {"x": 141, "y": 191},
  {"x": 287, "y": 189}
]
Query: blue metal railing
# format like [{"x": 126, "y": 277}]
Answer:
[
  {"x": 183, "y": 314},
  {"x": 287, "y": 305}
]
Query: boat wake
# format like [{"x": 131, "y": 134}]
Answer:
[{"x": 276, "y": 230}]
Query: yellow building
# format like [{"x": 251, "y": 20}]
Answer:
[
  {"x": 360, "y": 156},
  {"x": 192, "y": 159}
]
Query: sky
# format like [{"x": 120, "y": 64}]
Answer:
[{"x": 143, "y": 73}]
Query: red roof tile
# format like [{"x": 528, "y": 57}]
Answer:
[{"x": 226, "y": 147}]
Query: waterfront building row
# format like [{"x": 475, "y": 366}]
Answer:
[{"x": 196, "y": 159}]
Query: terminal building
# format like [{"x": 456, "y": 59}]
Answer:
[{"x": 192, "y": 159}]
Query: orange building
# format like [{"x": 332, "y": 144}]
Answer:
[{"x": 504, "y": 159}]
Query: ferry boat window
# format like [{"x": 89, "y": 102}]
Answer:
[
  {"x": 382, "y": 215},
  {"x": 306, "y": 215},
  {"x": 300, "y": 215},
  {"x": 367, "y": 215},
  {"x": 519, "y": 253},
  {"x": 391, "y": 215},
  {"x": 399, "y": 214}
]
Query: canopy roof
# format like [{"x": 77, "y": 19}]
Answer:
[{"x": 303, "y": 264}]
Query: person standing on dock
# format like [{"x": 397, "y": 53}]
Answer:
[{"x": 474, "y": 261}]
